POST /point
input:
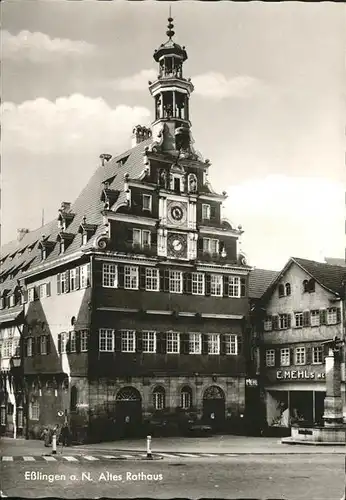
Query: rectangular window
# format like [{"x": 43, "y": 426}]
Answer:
[
  {"x": 197, "y": 283},
  {"x": 216, "y": 285},
  {"x": 146, "y": 238},
  {"x": 147, "y": 202},
  {"x": 332, "y": 317},
  {"x": 72, "y": 341},
  {"x": 213, "y": 343},
  {"x": 300, "y": 356},
  {"x": 285, "y": 356},
  {"x": 64, "y": 282},
  {"x": 175, "y": 281},
  {"x": 42, "y": 291},
  {"x": 234, "y": 286},
  {"x": 128, "y": 341},
  {"x": 34, "y": 410},
  {"x": 205, "y": 211},
  {"x": 152, "y": 279},
  {"x": 84, "y": 340},
  {"x": 268, "y": 324},
  {"x": 131, "y": 277},
  {"x": 136, "y": 237},
  {"x": 2, "y": 415},
  {"x": 43, "y": 347},
  {"x": 172, "y": 343},
  {"x": 210, "y": 245},
  {"x": 283, "y": 321},
  {"x": 270, "y": 357},
  {"x": 73, "y": 280},
  {"x": 317, "y": 355},
  {"x": 315, "y": 318},
  {"x": 109, "y": 275},
  {"x": 106, "y": 340},
  {"x": 20, "y": 419},
  {"x": 149, "y": 341},
  {"x": 231, "y": 344},
  {"x": 29, "y": 341},
  {"x": 12, "y": 300},
  {"x": 85, "y": 275},
  {"x": 298, "y": 317},
  {"x": 31, "y": 294},
  {"x": 195, "y": 343}
]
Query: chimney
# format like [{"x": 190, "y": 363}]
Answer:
[
  {"x": 140, "y": 134},
  {"x": 21, "y": 233},
  {"x": 65, "y": 206}
]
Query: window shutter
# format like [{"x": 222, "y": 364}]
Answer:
[
  {"x": 78, "y": 342},
  {"x": 277, "y": 357},
  {"x": 225, "y": 285},
  {"x": 323, "y": 316},
  {"x": 184, "y": 343},
  {"x": 26, "y": 347},
  {"x": 129, "y": 236},
  {"x": 166, "y": 280},
  {"x": 117, "y": 341},
  {"x": 200, "y": 244},
  {"x": 59, "y": 343},
  {"x": 292, "y": 356},
  {"x": 338, "y": 315},
  {"x": 153, "y": 239},
  {"x": 164, "y": 342},
  {"x": 48, "y": 289},
  {"x": 187, "y": 282},
  {"x": 48, "y": 344},
  {"x": 77, "y": 278},
  {"x": 121, "y": 276},
  {"x": 142, "y": 271},
  {"x": 275, "y": 322},
  {"x": 212, "y": 211},
  {"x": 207, "y": 284},
  {"x": 88, "y": 270},
  {"x": 33, "y": 345},
  {"x": 289, "y": 320},
  {"x": 139, "y": 343},
  {"x": 204, "y": 343},
  {"x": 38, "y": 345},
  {"x": 306, "y": 318},
  {"x": 308, "y": 355},
  {"x": 222, "y": 344},
  {"x": 243, "y": 287},
  {"x": 68, "y": 343},
  {"x": 58, "y": 283},
  {"x": 240, "y": 344},
  {"x": 67, "y": 283}
]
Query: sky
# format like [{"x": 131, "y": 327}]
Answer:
[{"x": 268, "y": 110}]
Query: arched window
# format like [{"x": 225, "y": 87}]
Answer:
[
  {"x": 74, "y": 398},
  {"x": 186, "y": 398},
  {"x": 159, "y": 398},
  {"x": 288, "y": 288},
  {"x": 281, "y": 290},
  {"x": 306, "y": 285}
]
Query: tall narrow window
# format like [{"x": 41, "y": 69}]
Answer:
[
  {"x": 128, "y": 341},
  {"x": 186, "y": 398},
  {"x": 205, "y": 211},
  {"x": 234, "y": 286},
  {"x": 152, "y": 279},
  {"x": 300, "y": 356},
  {"x": 270, "y": 357},
  {"x": 147, "y": 202},
  {"x": 34, "y": 410},
  {"x": 213, "y": 343},
  {"x": 74, "y": 398},
  {"x": 159, "y": 398},
  {"x": 84, "y": 340},
  {"x": 175, "y": 282},
  {"x": 149, "y": 341},
  {"x": 231, "y": 344},
  {"x": 172, "y": 343},
  {"x": 216, "y": 285},
  {"x": 197, "y": 283},
  {"x": 131, "y": 277},
  {"x": 109, "y": 275},
  {"x": 85, "y": 275},
  {"x": 43, "y": 348},
  {"x": 195, "y": 343},
  {"x": 285, "y": 356},
  {"x": 73, "y": 341},
  {"x": 106, "y": 340}
]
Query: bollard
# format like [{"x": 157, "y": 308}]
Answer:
[
  {"x": 54, "y": 444},
  {"x": 149, "y": 447}
]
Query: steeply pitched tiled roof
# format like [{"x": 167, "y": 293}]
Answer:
[
  {"x": 259, "y": 281},
  {"x": 330, "y": 277},
  {"x": 88, "y": 204}
]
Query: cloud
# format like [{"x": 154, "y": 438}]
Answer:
[
  {"x": 288, "y": 217},
  {"x": 76, "y": 123},
  {"x": 209, "y": 85},
  {"x": 218, "y": 86},
  {"x": 139, "y": 81},
  {"x": 40, "y": 48}
]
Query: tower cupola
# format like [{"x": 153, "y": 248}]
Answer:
[{"x": 171, "y": 92}]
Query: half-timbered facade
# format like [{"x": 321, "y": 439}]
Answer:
[{"x": 134, "y": 301}]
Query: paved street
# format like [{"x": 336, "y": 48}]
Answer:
[{"x": 310, "y": 477}]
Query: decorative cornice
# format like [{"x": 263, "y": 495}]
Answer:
[
  {"x": 223, "y": 316},
  {"x": 142, "y": 185},
  {"x": 219, "y": 232},
  {"x": 213, "y": 197},
  {"x": 223, "y": 269},
  {"x": 136, "y": 219}
]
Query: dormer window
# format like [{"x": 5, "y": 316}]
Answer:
[
  {"x": 87, "y": 230},
  {"x": 177, "y": 182},
  {"x": 62, "y": 246},
  {"x": 12, "y": 300},
  {"x": 64, "y": 239},
  {"x": 84, "y": 238}
]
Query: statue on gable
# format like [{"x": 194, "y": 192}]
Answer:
[
  {"x": 192, "y": 184},
  {"x": 163, "y": 178}
]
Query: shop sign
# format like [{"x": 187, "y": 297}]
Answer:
[
  {"x": 251, "y": 382},
  {"x": 298, "y": 375},
  {"x": 82, "y": 405}
]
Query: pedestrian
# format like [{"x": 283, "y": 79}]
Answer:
[{"x": 65, "y": 435}]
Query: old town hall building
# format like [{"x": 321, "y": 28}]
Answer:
[{"x": 132, "y": 304}]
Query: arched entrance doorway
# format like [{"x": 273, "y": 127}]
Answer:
[
  {"x": 128, "y": 412},
  {"x": 214, "y": 407}
]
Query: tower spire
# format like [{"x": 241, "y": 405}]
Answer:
[{"x": 170, "y": 33}]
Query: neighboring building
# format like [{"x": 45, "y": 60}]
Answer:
[
  {"x": 335, "y": 261},
  {"x": 135, "y": 301},
  {"x": 303, "y": 308}
]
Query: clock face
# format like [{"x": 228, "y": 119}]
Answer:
[
  {"x": 177, "y": 245},
  {"x": 177, "y": 213}
]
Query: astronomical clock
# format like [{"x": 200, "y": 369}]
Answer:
[
  {"x": 176, "y": 213},
  {"x": 177, "y": 245}
]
